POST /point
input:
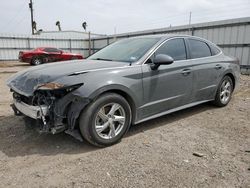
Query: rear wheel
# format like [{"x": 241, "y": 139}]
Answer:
[
  {"x": 36, "y": 61},
  {"x": 224, "y": 92},
  {"x": 106, "y": 120}
]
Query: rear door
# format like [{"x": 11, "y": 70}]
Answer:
[
  {"x": 169, "y": 86},
  {"x": 206, "y": 69}
]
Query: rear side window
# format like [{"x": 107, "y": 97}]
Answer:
[
  {"x": 51, "y": 50},
  {"x": 174, "y": 48},
  {"x": 199, "y": 49}
]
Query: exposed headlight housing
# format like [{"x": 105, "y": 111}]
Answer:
[
  {"x": 50, "y": 86},
  {"x": 53, "y": 86}
]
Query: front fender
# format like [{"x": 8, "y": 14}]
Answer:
[
  {"x": 114, "y": 87},
  {"x": 78, "y": 106}
]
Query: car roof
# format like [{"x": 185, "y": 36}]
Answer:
[
  {"x": 46, "y": 47},
  {"x": 166, "y": 36},
  {"x": 163, "y": 37},
  {"x": 43, "y": 48}
]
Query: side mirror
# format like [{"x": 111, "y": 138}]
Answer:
[{"x": 161, "y": 59}]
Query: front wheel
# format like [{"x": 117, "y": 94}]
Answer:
[
  {"x": 106, "y": 120},
  {"x": 224, "y": 92},
  {"x": 36, "y": 61}
]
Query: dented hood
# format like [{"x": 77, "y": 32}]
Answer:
[{"x": 25, "y": 82}]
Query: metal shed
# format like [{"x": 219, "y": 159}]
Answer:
[{"x": 233, "y": 36}]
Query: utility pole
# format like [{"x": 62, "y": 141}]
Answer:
[
  {"x": 190, "y": 18},
  {"x": 189, "y": 22},
  {"x": 115, "y": 33},
  {"x": 31, "y": 14},
  {"x": 58, "y": 24},
  {"x": 89, "y": 44}
]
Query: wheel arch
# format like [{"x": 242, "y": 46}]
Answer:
[
  {"x": 232, "y": 77},
  {"x": 117, "y": 89},
  {"x": 128, "y": 98},
  {"x": 124, "y": 92},
  {"x": 41, "y": 56}
]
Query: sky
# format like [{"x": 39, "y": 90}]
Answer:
[{"x": 115, "y": 16}]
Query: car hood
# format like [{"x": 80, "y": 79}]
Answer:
[{"x": 26, "y": 82}]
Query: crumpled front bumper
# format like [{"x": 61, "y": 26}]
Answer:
[
  {"x": 34, "y": 112},
  {"x": 59, "y": 117}
]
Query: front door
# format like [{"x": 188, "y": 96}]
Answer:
[{"x": 169, "y": 86}]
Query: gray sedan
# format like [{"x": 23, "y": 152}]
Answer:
[{"x": 127, "y": 82}]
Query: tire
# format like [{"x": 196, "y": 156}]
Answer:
[
  {"x": 224, "y": 92},
  {"x": 36, "y": 61},
  {"x": 101, "y": 126}
]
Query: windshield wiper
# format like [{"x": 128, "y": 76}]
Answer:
[{"x": 102, "y": 59}]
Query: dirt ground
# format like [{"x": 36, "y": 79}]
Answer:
[{"x": 158, "y": 153}]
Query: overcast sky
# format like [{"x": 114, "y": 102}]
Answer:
[{"x": 106, "y": 16}]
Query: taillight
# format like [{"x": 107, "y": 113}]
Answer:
[{"x": 237, "y": 61}]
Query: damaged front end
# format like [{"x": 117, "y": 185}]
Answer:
[{"x": 54, "y": 106}]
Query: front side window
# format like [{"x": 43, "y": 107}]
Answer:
[
  {"x": 174, "y": 48},
  {"x": 198, "y": 49}
]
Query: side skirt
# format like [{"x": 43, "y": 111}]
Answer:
[{"x": 172, "y": 110}]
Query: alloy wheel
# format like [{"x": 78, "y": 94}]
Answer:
[
  {"x": 225, "y": 91},
  {"x": 37, "y": 61},
  {"x": 110, "y": 120}
]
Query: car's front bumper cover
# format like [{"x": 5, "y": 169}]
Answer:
[{"x": 34, "y": 112}]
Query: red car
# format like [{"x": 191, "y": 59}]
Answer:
[{"x": 45, "y": 55}]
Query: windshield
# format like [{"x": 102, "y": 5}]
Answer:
[{"x": 127, "y": 50}]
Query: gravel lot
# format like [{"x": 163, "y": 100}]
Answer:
[{"x": 158, "y": 153}]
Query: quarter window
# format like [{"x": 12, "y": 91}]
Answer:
[
  {"x": 198, "y": 48},
  {"x": 174, "y": 48},
  {"x": 214, "y": 50}
]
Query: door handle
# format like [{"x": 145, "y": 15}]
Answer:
[
  {"x": 186, "y": 72},
  {"x": 218, "y": 66}
]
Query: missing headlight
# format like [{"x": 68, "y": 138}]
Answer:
[
  {"x": 50, "y": 86},
  {"x": 58, "y": 92}
]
